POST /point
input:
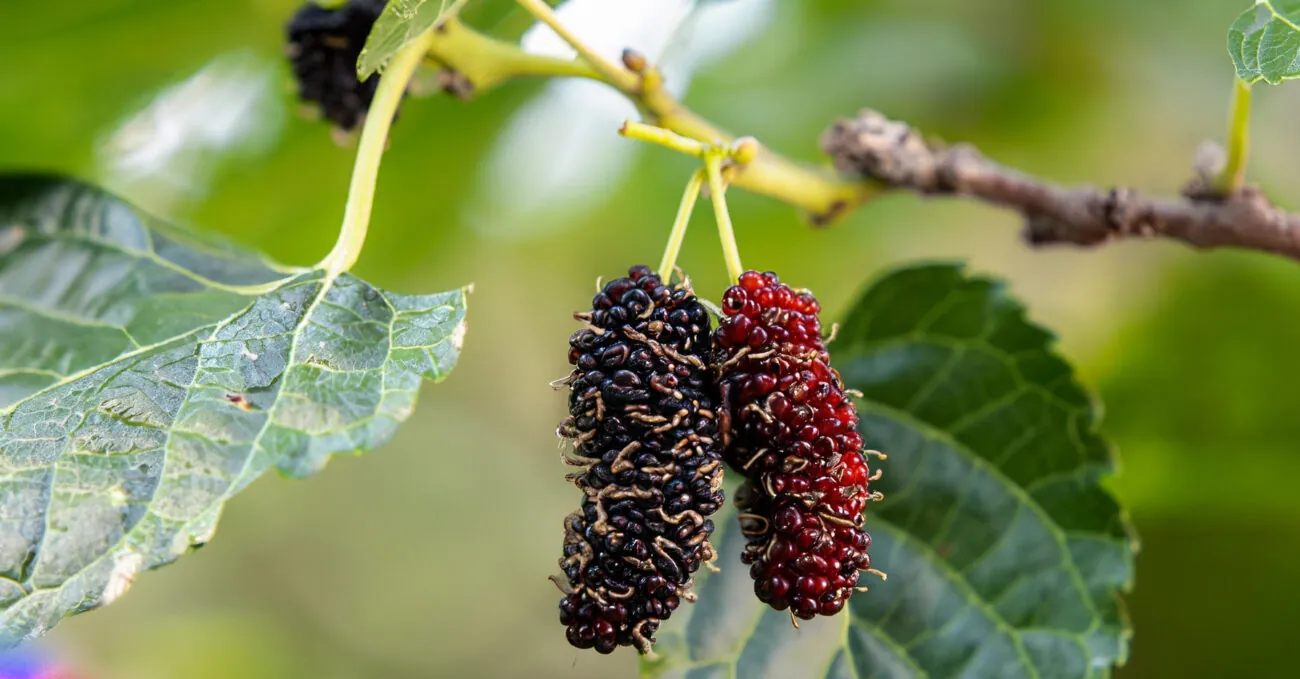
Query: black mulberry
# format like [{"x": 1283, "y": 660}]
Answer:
[
  {"x": 324, "y": 45},
  {"x": 643, "y": 425},
  {"x": 792, "y": 431}
]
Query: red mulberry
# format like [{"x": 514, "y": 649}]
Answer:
[
  {"x": 641, "y": 404},
  {"x": 792, "y": 431},
  {"x": 324, "y": 45}
]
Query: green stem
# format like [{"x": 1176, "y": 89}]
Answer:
[
  {"x": 1234, "y": 171},
  {"x": 717, "y": 192},
  {"x": 683, "y": 219},
  {"x": 615, "y": 75},
  {"x": 487, "y": 63},
  {"x": 374, "y": 138}
]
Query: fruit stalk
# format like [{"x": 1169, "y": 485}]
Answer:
[
  {"x": 717, "y": 193},
  {"x": 679, "y": 225}
]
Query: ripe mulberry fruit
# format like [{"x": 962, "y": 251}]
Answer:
[
  {"x": 324, "y": 45},
  {"x": 642, "y": 420},
  {"x": 791, "y": 429}
]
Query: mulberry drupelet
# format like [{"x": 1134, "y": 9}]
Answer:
[
  {"x": 324, "y": 45},
  {"x": 642, "y": 420},
  {"x": 792, "y": 431}
]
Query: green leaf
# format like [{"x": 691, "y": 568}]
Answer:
[
  {"x": 1005, "y": 556},
  {"x": 148, "y": 374},
  {"x": 1265, "y": 42},
  {"x": 401, "y": 22}
]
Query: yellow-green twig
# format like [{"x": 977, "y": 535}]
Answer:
[
  {"x": 665, "y": 138},
  {"x": 486, "y": 63},
  {"x": 611, "y": 72}
]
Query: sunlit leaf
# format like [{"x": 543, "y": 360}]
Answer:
[
  {"x": 1265, "y": 42},
  {"x": 1005, "y": 556},
  {"x": 401, "y": 22},
  {"x": 147, "y": 375}
]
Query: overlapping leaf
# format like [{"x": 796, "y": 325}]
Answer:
[
  {"x": 147, "y": 375},
  {"x": 1265, "y": 42},
  {"x": 404, "y": 20},
  {"x": 1005, "y": 556},
  {"x": 401, "y": 22}
]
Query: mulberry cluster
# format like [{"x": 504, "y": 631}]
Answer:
[
  {"x": 642, "y": 420},
  {"x": 324, "y": 45},
  {"x": 792, "y": 431}
]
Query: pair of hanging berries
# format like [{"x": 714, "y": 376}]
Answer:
[{"x": 656, "y": 401}]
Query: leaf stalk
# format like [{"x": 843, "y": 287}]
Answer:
[
  {"x": 1233, "y": 176},
  {"x": 374, "y": 139}
]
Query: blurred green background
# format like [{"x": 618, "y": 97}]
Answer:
[{"x": 429, "y": 557}]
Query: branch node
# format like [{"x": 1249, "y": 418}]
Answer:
[
  {"x": 874, "y": 147},
  {"x": 634, "y": 61}
]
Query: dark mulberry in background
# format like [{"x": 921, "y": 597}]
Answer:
[
  {"x": 323, "y": 47},
  {"x": 642, "y": 420},
  {"x": 792, "y": 431}
]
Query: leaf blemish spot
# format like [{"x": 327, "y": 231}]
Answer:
[
  {"x": 458, "y": 336},
  {"x": 125, "y": 569}
]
